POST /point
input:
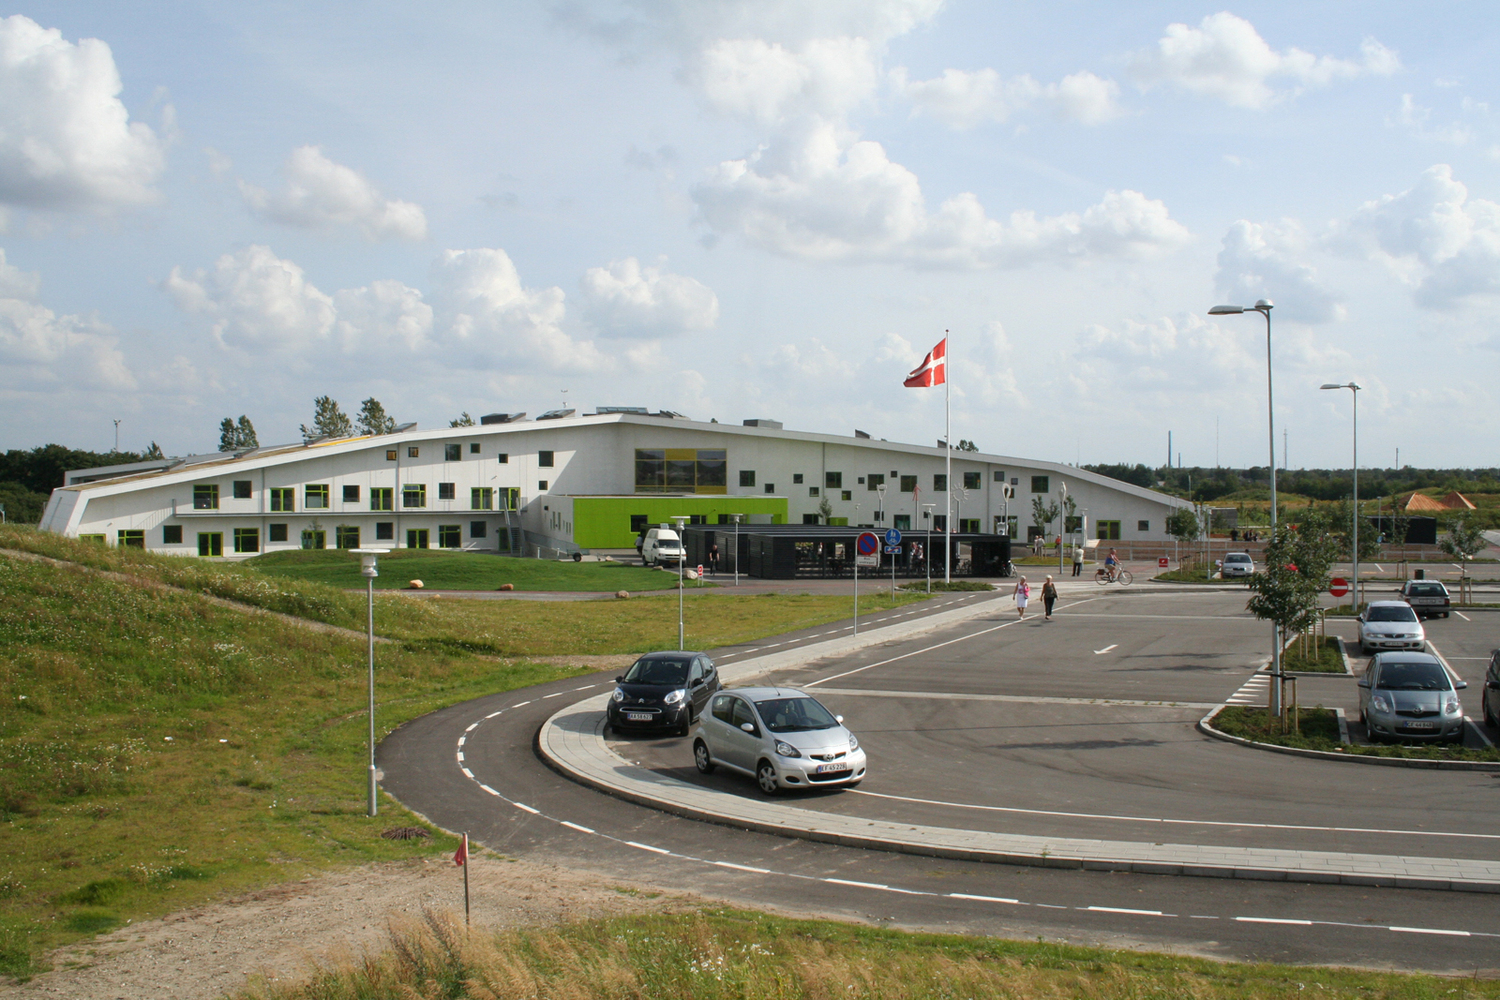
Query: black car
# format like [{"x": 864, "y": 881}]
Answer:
[
  {"x": 663, "y": 691},
  {"x": 1490, "y": 700}
]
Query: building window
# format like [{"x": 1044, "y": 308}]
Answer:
[
  {"x": 747, "y": 478},
  {"x": 510, "y": 497},
  {"x": 171, "y": 534},
  {"x": 999, "y": 476},
  {"x": 940, "y": 522},
  {"x": 1109, "y": 531},
  {"x": 1006, "y": 525},
  {"x": 314, "y": 539},
  {"x": 544, "y": 459},
  {"x": 447, "y": 491},
  {"x": 275, "y": 532},
  {"x": 346, "y": 537},
  {"x": 1143, "y": 526},
  {"x": 416, "y": 538},
  {"x": 972, "y": 480},
  {"x": 385, "y": 531},
  {"x": 283, "y": 500},
  {"x": 482, "y": 498},
  {"x": 810, "y": 519},
  {"x": 503, "y": 458},
  {"x": 939, "y": 483},
  {"x": 639, "y": 522},
  {"x": 453, "y": 453},
  {"x": 210, "y": 543},
  {"x": 682, "y": 470},
  {"x": 874, "y": 481},
  {"x": 351, "y": 494},
  {"x": 1041, "y": 484},
  {"x": 968, "y": 525},
  {"x": 812, "y": 491},
  {"x": 833, "y": 480},
  {"x": 96, "y": 539},
  {"x": 541, "y": 484},
  {"x": 901, "y": 522},
  {"x": 770, "y": 487},
  {"x": 247, "y": 539},
  {"x": 242, "y": 489},
  {"x": 390, "y": 454},
  {"x": 413, "y": 451},
  {"x": 450, "y": 537},
  {"x": 206, "y": 496},
  {"x": 908, "y": 484},
  {"x": 1072, "y": 523},
  {"x": 796, "y": 479},
  {"x": 315, "y": 496},
  {"x": 478, "y": 529},
  {"x": 414, "y": 495},
  {"x": 474, "y": 448},
  {"x": 131, "y": 539},
  {"x": 381, "y": 497},
  {"x": 848, "y": 495}
]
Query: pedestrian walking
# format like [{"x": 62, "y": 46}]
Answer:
[
  {"x": 1022, "y": 595},
  {"x": 1077, "y": 560},
  {"x": 1049, "y": 598},
  {"x": 713, "y": 558}
]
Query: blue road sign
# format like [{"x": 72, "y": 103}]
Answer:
[
  {"x": 867, "y": 544},
  {"x": 892, "y": 536},
  {"x": 893, "y": 550}
]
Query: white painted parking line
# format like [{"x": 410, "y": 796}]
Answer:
[
  {"x": 857, "y": 885},
  {"x": 985, "y": 899},
  {"x": 1121, "y": 909},
  {"x": 1463, "y": 616},
  {"x": 472, "y": 727},
  {"x": 742, "y": 868},
  {"x": 1274, "y": 920},
  {"x": 1444, "y": 661},
  {"x": 576, "y": 826},
  {"x": 516, "y": 705},
  {"x": 648, "y": 847},
  {"x": 488, "y": 789},
  {"x": 525, "y": 808},
  {"x": 467, "y": 773},
  {"x": 1429, "y": 930},
  {"x": 1101, "y": 652}
]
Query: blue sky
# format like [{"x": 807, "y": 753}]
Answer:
[{"x": 757, "y": 210}]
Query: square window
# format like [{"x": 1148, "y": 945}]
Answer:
[
  {"x": 861, "y": 480},
  {"x": 770, "y": 487},
  {"x": 874, "y": 481},
  {"x": 414, "y": 495},
  {"x": 351, "y": 495},
  {"x": 346, "y": 537},
  {"x": 450, "y": 537},
  {"x": 413, "y": 451},
  {"x": 544, "y": 459},
  {"x": 385, "y": 531},
  {"x": 833, "y": 480},
  {"x": 478, "y": 529},
  {"x": 315, "y": 496},
  {"x": 639, "y": 522},
  {"x": 247, "y": 539},
  {"x": 206, "y": 497},
  {"x": 812, "y": 491},
  {"x": 796, "y": 479},
  {"x": 283, "y": 500},
  {"x": 276, "y": 532},
  {"x": 1041, "y": 484},
  {"x": 541, "y": 484},
  {"x": 503, "y": 458},
  {"x": 747, "y": 478},
  {"x": 474, "y": 448},
  {"x": 848, "y": 495},
  {"x": 939, "y": 483},
  {"x": 242, "y": 489},
  {"x": 171, "y": 534},
  {"x": 810, "y": 519},
  {"x": 909, "y": 484},
  {"x": 1143, "y": 526},
  {"x": 453, "y": 452},
  {"x": 973, "y": 480},
  {"x": 446, "y": 491},
  {"x": 999, "y": 476},
  {"x": 894, "y": 473},
  {"x": 381, "y": 497},
  {"x": 390, "y": 454},
  {"x": 131, "y": 539}
]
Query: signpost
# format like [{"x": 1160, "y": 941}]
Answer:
[
  {"x": 1338, "y": 586},
  {"x": 1162, "y": 562},
  {"x": 866, "y": 553},
  {"x": 893, "y": 549}
]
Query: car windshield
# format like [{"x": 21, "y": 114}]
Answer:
[
  {"x": 1413, "y": 677},
  {"x": 1236, "y": 559},
  {"x": 794, "y": 715},
  {"x": 666, "y": 672},
  {"x": 1391, "y": 614}
]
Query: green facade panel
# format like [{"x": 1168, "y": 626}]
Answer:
[{"x": 604, "y": 522}]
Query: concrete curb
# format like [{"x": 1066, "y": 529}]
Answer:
[{"x": 1205, "y": 726}]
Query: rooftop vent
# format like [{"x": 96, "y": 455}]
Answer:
[
  {"x": 861, "y": 434},
  {"x": 556, "y": 414},
  {"x": 774, "y": 425},
  {"x": 622, "y": 409},
  {"x": 501, "y": 418},
  {"x": 402, "y": 428}
]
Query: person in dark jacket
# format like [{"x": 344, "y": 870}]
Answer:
[{"x": 1049, "y": 598}]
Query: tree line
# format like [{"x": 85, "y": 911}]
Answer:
[{"x": 1206, "y": 485}]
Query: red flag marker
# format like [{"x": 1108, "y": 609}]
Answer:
[
  {"x": 462, "y": 856},
  {"x": 933, "y": 370}
]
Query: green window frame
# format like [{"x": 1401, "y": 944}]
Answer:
[
  {"x": 747, "y": 479},
  {"x": 482, "y": 498},
  {"x": 131, "y": 538},
  {"x": 312, "y": 538},
  {"x": 382, "y": 498},
  {"x": 97, "y": 539},
  {"x": 1107, "y": 531},
  {"x": 968, "y": 525},
  {"x": 247, "y": 539},
  {"x": 210, "y": 543},
  {"x": 315, "y": 496},
  {"x": 283, "y": 500},
  {"x": 414, "y": 495},
  {"x": 450, "y": 536},
  {"x": 346, "y": 536},
  {"x": 206, "y": 496}
]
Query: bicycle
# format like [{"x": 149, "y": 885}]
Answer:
[{"x": 1121, "y": 576}]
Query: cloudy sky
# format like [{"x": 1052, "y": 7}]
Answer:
[{"x": 757, "y": 209}]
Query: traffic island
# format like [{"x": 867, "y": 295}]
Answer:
[{"x": 1324, "y": 735}]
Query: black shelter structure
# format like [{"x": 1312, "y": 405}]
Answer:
[{"x": 813, "y": 551}]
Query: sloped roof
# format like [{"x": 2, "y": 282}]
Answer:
[
  {"x": 1421, "y": 501},
  {"x": 1457, "y": 501}
]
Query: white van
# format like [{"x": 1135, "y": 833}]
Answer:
[{"x": 662, "y": 545}]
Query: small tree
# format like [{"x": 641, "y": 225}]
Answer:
[
  {"x": 1182, "y": 524},
  {"x": 825, "y": 507},
  {"x": 964, "y": 445},
  {"x": 153, "y": 452},
  {"x": 237, "y": 436},
  {"x": 246, "y": 432},
  {"x": 227, "y": 434},
  {"x": 373, "y": 419},
  {"x": 328, "y": 421},
  {"x": 1294, "y": 575},
  {"x": 464, "y": 420},
  {"x": 1463, "y": 540},
  {"x": 1043, "y": 514}
]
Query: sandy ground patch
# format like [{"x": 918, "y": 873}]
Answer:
[{"x": 277, "y": 932}]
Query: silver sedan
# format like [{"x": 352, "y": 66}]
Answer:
[{"x": 1389, "y": 625}]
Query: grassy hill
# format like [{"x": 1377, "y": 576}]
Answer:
[{"x": 442, "y": 570}]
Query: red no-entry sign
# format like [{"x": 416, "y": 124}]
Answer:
[{"x": 1338, "y": 586}]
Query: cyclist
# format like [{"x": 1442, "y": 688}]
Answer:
[{"x": 1112, "y": 565}]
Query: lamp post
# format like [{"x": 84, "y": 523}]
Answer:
[
  {"x": 736, "y": 518},
  {"x": 1354, "y": 528},
  {"x": 1062, "y": 492},
  {"x": 680, "y": 520},
  {"x": 950, "y": 545},
  {"x": 367, "y": 567},
  {"x": 927, "y": 546},
  {"x": 1264, "y": 307}
]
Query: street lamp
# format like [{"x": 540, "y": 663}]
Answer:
[
  {"x": 736, "y": 518},
  {"x": 680, "y": 520},
  {"x": 1264, "y": 307},
  {"x": 927, "y": 546},
  {"x": 880, "y": 513},
  {"x": 1062, "y": 491},
  {"x": 368, "y": 568},
  {"x": 1354, "y": 391}
]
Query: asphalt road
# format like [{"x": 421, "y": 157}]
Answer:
[{"x": 1007, "y": 716}]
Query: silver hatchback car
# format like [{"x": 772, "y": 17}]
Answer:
[
  {"x": 1409, "y": 696},
  {"x": 781, "y": 737}
]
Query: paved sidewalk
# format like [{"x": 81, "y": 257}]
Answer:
[{"x": 572, "y": 741}]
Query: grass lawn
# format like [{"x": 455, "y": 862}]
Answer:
[
  {"x": 1322, "y": 657},
  {"x": 1192, "y": 575},
  {"x": 1320, "y": 731},
  {"x": 722, "y": 954},
  {"x": 441, "y": 570}
]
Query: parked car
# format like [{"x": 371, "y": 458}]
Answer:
[
  {"x": 1427, "y": 597},
  {"x": 1489, "y": 699},
  {"x": 1389, "y": 625},
  {"x": 781, "y": 737},
  {"x": 662, "y": 691},
  {"x": 661, "y": 545},
  {"x": 1236, "y": 564},
  {"x": 1409, "y": 696}
]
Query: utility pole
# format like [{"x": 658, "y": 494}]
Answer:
[{"x": 117, "y": 436}]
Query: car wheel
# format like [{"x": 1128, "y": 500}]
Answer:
[
  {"x": 687, "y": 724},
  {"x": 765, "y": 776},
  {"x": 702, "y": 759}
]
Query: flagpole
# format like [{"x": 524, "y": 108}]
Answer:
[
  {"x": 948, "y": 458},
  {"x": 466, "y": 880}
]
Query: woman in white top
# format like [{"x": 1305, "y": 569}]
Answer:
[{"x": 1022, "y": 595}]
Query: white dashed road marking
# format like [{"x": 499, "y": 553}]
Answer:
[
  {"x": 1252, "y": 692},
  {"x": 1101, "y": 652}
]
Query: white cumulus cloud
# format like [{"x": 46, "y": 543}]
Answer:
[
  {"x": 1269, "y": 261},
  {"x": 322, "y": 194},
  {"x": 625, "y": 299},
  {"x": 827, "y": 195},
  {"x": 39, "y": 347},
  {"x": 255, "y": 300},
  {"x": 963, "y": 99},
  {"x": 767, "y": 82},
  {"x": 66, "y": 140},
  {"x": 1225, "y": 57}
]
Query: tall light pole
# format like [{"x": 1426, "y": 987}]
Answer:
[
  {"x": 367, "y": 567},
  {"x": 1264, "y": 307},
  {"x": 1062, "y": 491},
  {"x": 736, "y": 518},
  {"x": 927, "y": 546},
  {"x": 680, "y": 520},
  {"x": 1354, "y": 528}
]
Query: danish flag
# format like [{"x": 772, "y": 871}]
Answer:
[{"x": 933, "y": 370}]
